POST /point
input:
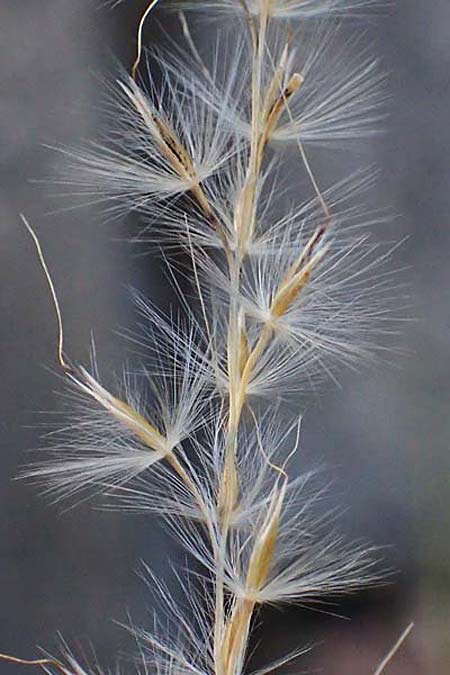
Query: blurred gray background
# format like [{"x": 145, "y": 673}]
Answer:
[{"x": 385, "y": 432}]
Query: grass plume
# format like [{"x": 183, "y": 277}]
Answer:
[{"x": 289, "y": 286}]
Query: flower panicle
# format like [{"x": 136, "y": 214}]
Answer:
[{"x": 286, "y": 285}]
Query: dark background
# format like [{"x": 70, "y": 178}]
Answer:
[{"x": 385, "y": 432}]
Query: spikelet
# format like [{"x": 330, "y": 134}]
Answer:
[
  {"x": 336, "y": 92},
  {"x": 287, "y": 285},
  {"x": 169, "y": 141},
  {"x": 112, "y": 439}
]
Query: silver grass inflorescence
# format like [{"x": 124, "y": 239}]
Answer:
[{"x": 287, "y": 285}]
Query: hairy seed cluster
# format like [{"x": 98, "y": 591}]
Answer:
[{"x": 218, "y": 158}]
